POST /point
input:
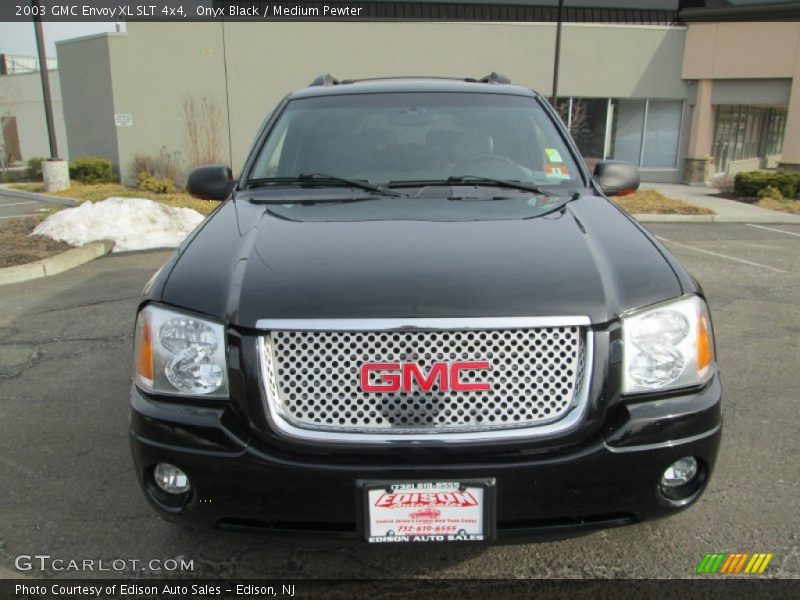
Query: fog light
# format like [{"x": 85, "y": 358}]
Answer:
[
  {"x": 171, "y": 479},
  {"x": 679, "y": 473}
]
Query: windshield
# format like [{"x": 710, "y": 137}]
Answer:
[{"x": 406, "y": 138}]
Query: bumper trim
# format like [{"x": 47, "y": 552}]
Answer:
[{"x": 660, "y": 445}]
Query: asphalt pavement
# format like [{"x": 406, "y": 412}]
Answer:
[
  {"x": 12, "y": 207},
  {"x": 67, "y": 485}
]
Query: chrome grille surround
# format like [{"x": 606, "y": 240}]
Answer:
[{"x": 539, "y": 378}]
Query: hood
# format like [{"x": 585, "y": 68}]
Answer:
[{"x": 254, "y": 262}]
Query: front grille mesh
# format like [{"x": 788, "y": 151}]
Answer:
[{"x": 534, "y": 378}]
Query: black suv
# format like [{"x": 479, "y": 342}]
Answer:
[{"x": 417, "y": 317}]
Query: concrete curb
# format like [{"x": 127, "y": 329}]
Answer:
[
  {"x": 777, "y": 219},
  {"x": 659, "y": 218},
  {"x": 55, "y": 264},
  {"x": 12, "y": 193}
]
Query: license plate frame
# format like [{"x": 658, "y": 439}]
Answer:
[{"x": 482, "y": 489}]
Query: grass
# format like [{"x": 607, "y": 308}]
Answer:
[
  {"x": 98, "y": 192},
  {"x": 787, "y": 205},
  {"x": 784, "y": 205},
  {"x": 653, "y": 202},
  {"x": 18, "y": 247}
]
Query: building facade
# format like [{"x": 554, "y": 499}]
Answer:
[
  {"x": 746, "y": 113},
  {"x": 22, "y": 117},
  {"x": 618, "y": 82},
  {"x": 683, "y": 90}
]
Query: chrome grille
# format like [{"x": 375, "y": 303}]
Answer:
[{"x": 313, "y": 378}]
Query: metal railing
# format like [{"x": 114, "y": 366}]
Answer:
[{"x": 14, "y": 64}]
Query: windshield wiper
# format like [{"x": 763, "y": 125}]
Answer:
[
  {"x": 501, "y": 182},
  {"x": 306, "y": 201},
  {"x": 319, "y": 179},
  {"x": 471, "y": 179}
]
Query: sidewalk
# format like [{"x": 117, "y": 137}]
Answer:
[
  {"x": 727, "y": 211},
  {"x": 7, "y": 192}
]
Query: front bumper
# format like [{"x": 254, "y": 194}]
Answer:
[{"x": 609, "y": 480}]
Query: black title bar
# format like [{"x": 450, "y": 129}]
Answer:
[
  {"x": 66, "y": 11},
  {"x": 730, "y": 588}
]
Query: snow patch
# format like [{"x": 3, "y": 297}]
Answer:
[{"x": 132, "y": 223}]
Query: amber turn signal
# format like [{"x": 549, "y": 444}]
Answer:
[
  {"x": 705, "y": 350},
  {"x": 144, "y": 349}
]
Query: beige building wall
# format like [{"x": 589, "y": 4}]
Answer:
[
  {"x": 750, "y": 50},
  {"x": 21, "y": 97},
  {"x": 752, "y": 63},
  {"x": 156, "y": 66},
  {"x": 154, "y": 70},
  {"x": 596, "y": 60}
]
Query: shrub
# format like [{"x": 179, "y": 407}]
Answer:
[
  {"x": 91, "y": 169},
  {"x": 142, "y": 163},
  {"x": 35, "y": 167},
  {"x": 149, "y": 183},
  {"x": 770, "y": 192},
  {"x": 722, "y": 182},
  {"x": 750, "y": 183},
  {"x": 165, "y": 165}
]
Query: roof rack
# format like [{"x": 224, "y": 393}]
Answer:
[
  {"x": 495, "y": 77},
  {"x": 327, "y": 79},
  {"x": 324, "y": 79}
]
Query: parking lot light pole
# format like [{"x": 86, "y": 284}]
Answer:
[
  {"x": 55, "y": 171},
  {"x": 48, "y": 99},
  {"x": 557, "y": 57}
]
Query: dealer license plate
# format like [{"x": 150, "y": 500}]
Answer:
[{"x": 428, "y": 511}]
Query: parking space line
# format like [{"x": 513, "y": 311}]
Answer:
[
  {"x": 773, "y": 229},
  {"x": 17, "y": 216},
  {"x": 2, "y": 204},
  {"x": 717, "y": 254}
]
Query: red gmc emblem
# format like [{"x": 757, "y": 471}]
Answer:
[{"x": 394, "y": 377}]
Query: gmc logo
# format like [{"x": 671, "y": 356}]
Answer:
[{"x": 393, "y": 377}]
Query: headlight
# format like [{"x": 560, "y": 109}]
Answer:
[
  {"x": 669, "y": 346},
  {"x": 179, "y": 354}
]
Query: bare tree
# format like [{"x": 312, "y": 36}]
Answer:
[
  {"x": 203, "y": 121},
  {"x": 579, "y": 117}
]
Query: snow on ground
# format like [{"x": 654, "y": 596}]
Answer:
[{"x": 132, "y": 223}]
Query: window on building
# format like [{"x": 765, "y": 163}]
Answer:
[
  {"x": 744, "y": 132},
  {"x": 627, "y": 125},
  {"x": 645, "y": 132},
  {"x": 662, "y": 134},
  {"x": 588, "y": 118},
  {"x": 773, "y": 136}
]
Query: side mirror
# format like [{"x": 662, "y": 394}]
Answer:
[
  {"x": 211, "y": 182},
  {"x": 616, "y": 177}
]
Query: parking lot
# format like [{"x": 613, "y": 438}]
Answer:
[
  {"x": 12, "y": 207},
  {"x": 68, "y": 487}
]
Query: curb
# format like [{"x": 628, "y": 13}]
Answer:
[
  {"x": 55, "y": 264},
  {"x": 788, "y": 219},
  {"x": 12, "y": 193},
  {"x": 663, "y": 218}
]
